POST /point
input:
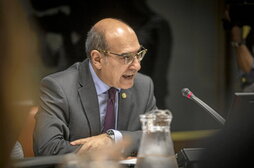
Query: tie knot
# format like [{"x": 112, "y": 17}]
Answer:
[{"x": 112, "y": 93}]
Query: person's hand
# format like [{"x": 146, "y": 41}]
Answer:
[{"x": 93, "y": 143}]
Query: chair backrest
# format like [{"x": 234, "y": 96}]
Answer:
[
  {"x": 26, "y": 135},
  {"x": 17, "y": 151}
]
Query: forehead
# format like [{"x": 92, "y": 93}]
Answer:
[{"x": 122, "y": 40}]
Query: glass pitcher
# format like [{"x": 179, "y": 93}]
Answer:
[{"x": 156, "y": 148}]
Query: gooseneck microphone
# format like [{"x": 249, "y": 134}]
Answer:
[{"x": 187, "y": 93}]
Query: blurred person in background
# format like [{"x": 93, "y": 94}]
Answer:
[
  {"x": 239, "y": 22},
  {"x": 19, "y": 58}
]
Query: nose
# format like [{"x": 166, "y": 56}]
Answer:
[{"x": 135, "y": 65}]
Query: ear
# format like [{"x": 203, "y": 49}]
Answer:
[{"x": 96, "y": 59}]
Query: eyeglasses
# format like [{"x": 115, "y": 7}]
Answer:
[{"x": 129, "y": 57}]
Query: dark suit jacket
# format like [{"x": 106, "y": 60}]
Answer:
[{"x": 69, "y": 110}]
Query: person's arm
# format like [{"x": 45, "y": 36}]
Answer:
[
  {"x": 93, "y": 143},
  {"x": 244, "y": 58},
  {"x": 51, "y": 134},
  {"x": 243, "y": 55}
]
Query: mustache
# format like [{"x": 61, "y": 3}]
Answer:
[{"x": 131, "y": 72}]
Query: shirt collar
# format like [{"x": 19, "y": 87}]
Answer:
[{"x": 100, "y": 86}]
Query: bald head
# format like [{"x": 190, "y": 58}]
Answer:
[
  {"x": 109, "y": 30},
  {"x": 112, "y": 26}
]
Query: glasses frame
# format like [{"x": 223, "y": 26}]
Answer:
[{"x": 128, "y": 57}]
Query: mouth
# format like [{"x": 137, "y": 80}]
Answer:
[{"x": 128, "y": 77}]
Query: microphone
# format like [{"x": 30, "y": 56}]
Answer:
[{"x": 187, "y": 93}]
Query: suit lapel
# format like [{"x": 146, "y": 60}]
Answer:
[
  {"x": 124, "y": 108},
  {"x": 89, "y": 99}
]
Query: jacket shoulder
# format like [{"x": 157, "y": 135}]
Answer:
[{"x": 70, "y": 74}]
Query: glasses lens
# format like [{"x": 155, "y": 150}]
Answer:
[{"x": 128, "y": 58}]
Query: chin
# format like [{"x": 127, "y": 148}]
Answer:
[{"x": 126, "y": 86}]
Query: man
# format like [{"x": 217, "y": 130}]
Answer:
[{"x": 74, "y": 112}]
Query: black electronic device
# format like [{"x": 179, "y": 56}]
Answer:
[
  {"x": 189, "y": 157},
  {"x": 242, "y": 108}
]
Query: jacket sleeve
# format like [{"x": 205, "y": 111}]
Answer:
[{"x": 51, "y": 134}]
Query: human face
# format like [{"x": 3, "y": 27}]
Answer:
[
  {"x": 116, "y": 72},
  {"x": 110, "y": 68}
]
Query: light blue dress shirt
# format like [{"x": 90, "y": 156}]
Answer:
[{"x": 101, "y": 89}]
